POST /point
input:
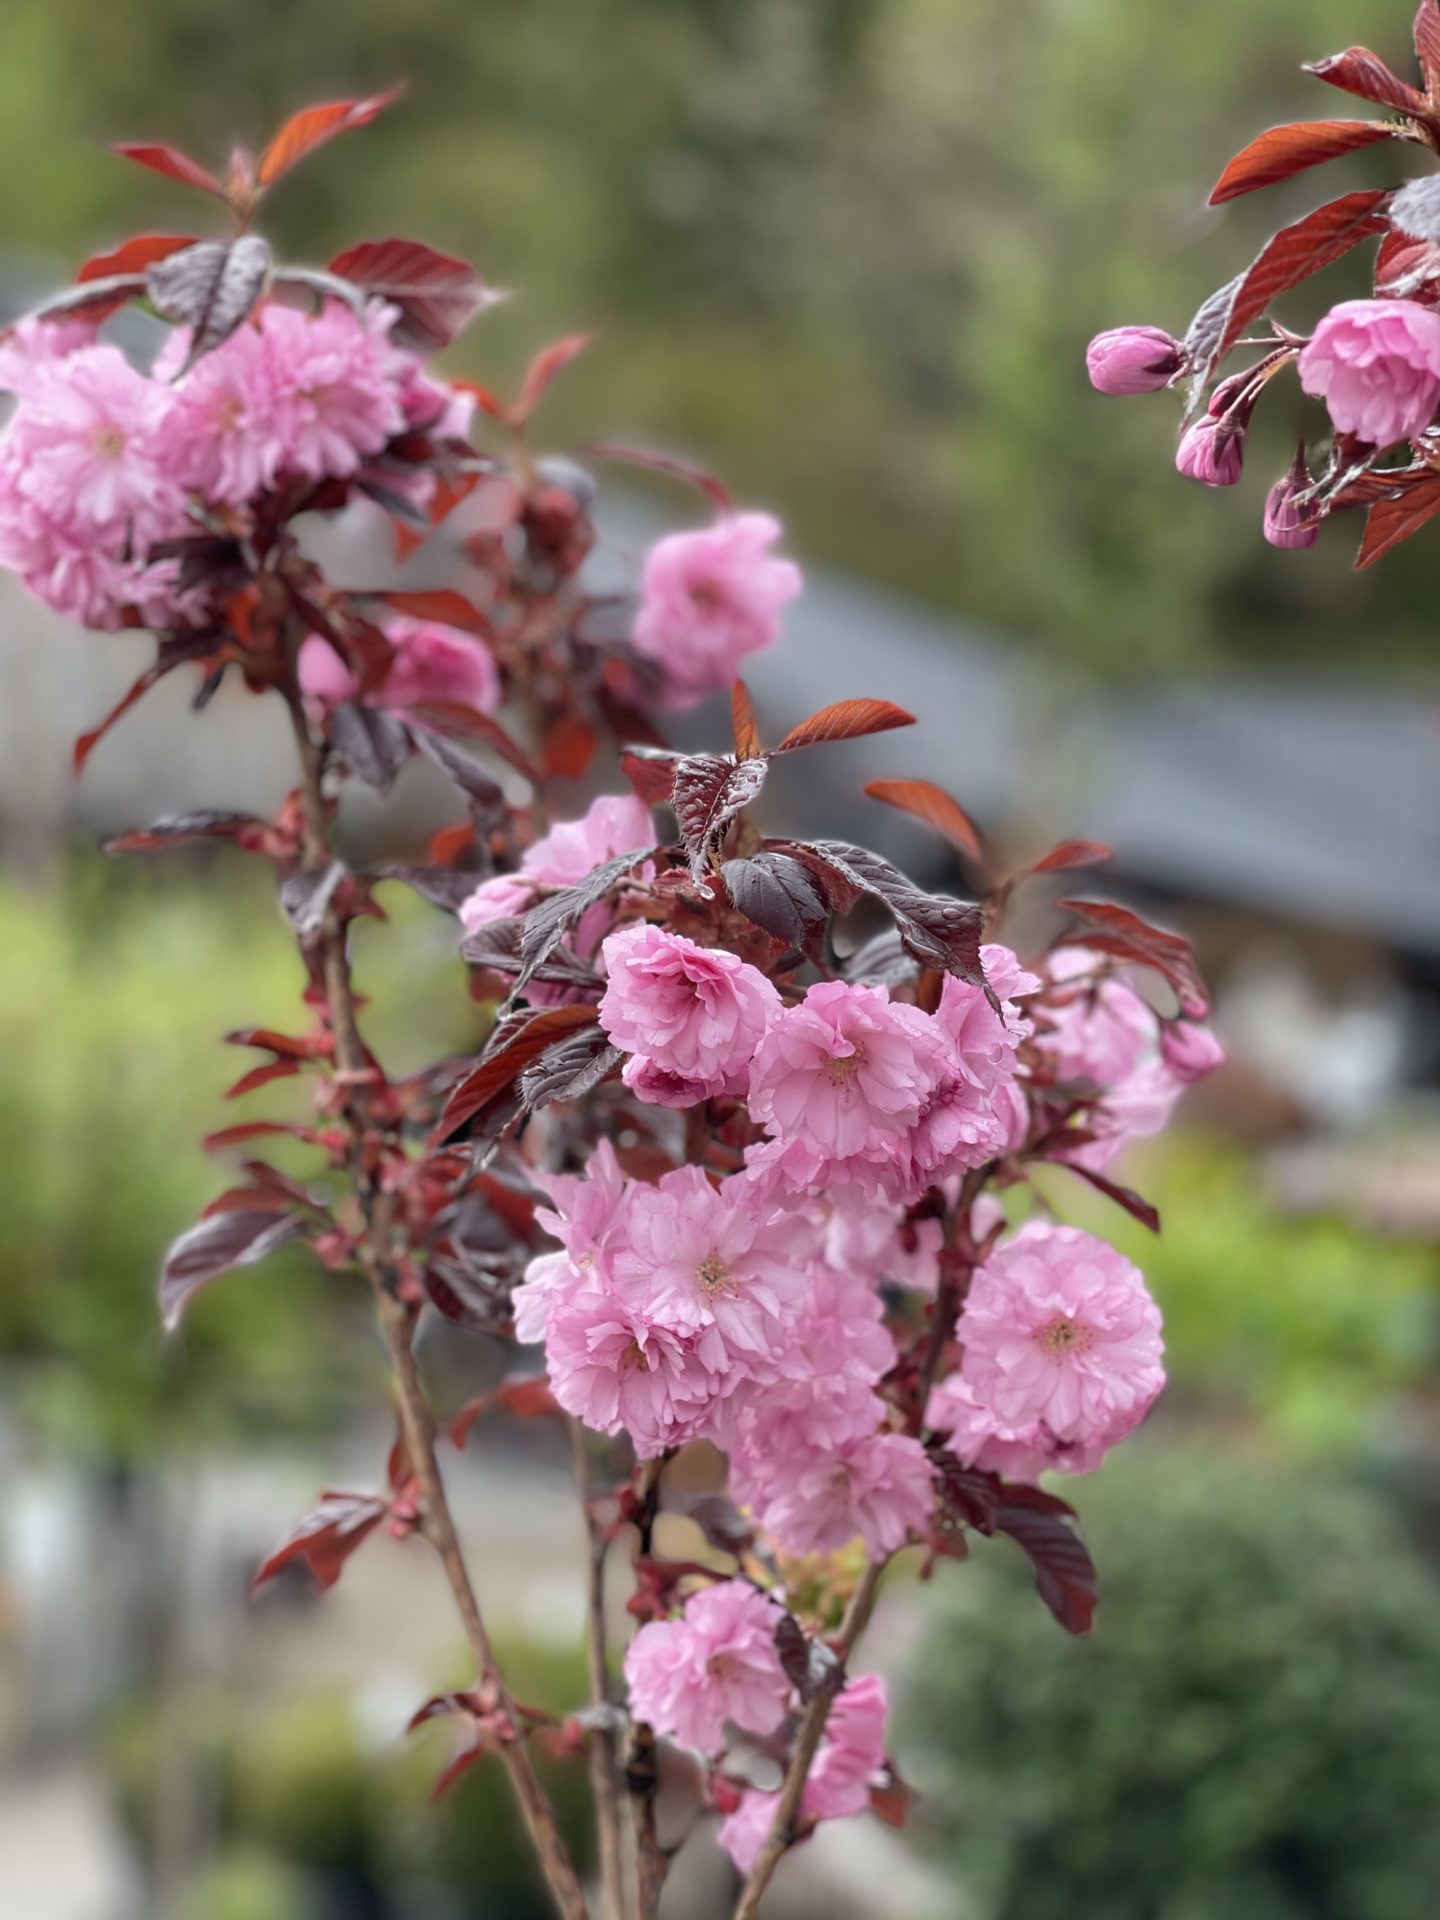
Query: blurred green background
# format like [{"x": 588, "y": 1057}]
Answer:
[{"x": 849, "y": 253}]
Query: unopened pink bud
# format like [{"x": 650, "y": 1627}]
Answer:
[
  {"x": 1190, "y": 1050},
  {"x": 1133, "y": 360},
  {"x": 1211, "y": 453},
  {"x": 1288, "y": 522}
]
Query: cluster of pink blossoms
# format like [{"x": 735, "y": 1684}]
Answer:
[
  {"x": 101, "y": 464},
  {"x": 713, "y": 1669},
  {"x": 709, "y": 598}
]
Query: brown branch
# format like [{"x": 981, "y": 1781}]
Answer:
[
  {"x": 642, "y": 1777},
  {"x": 397, "y": 1324},
  {"x": 602, "y": 1745},
  {"x": 782, "y": 1832}
]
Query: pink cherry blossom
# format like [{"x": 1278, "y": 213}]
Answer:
[
  {"x": 969, "y": 1116},
  {"x": 1133, "y": 360},
  {"x": 433, "y": 663},
  {"x": 978, "y": 1438},
  {"x": 1376, "y": 365},
  {"x": 1058, "y": 1330},
  {"x": 817, "y": 1500},
  {"x": 849, "y": 1761},
  {"x": 587, "y": 1216},
  {"x": 709, "y": 598},
  {"x": 1094, "y": 1025},
  {"x": 1190, "y": 1050},
  {"x": 618, "y": 1371},
  {"x": 615, "y": 824},
  {"x": 690, "y": 1017},
  {"x": 716, "y": 1664},
  {"x": 839, "y": 1081},
  {"x": 719, "y": 1266}
]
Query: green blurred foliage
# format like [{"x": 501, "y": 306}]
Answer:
[
  {"x": 1310, "y": 1324},
  {"x": 115, "y": 986},
  {"x": 1249, "y": 1734},
  {"x": 298, "y": 1790},
  {"x": 851, "y": 250}
]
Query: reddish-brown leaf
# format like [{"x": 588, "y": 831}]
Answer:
[
  {"x": 88, "y": 742},
  {"x": 1064, "y": 1572},
  {"x": 650, "y": 771},
  {"x": 1283, "y": 151},
  {"x": 935, "y": 807},
  {"x": 846, "y": 720},
  {"x": 497, "y": 1070},
  {"x": 568, "y": 746},
  {"x": 542, "y": 370},
  {"x": 262, "y": 1076},
  {"x": 1134, "y": 1204},
  {"x": 1427, "y": 47},
  {"x": 310, "y": 128},
  {"x": 666, "y": 463},
  {"x": 1407, "y": 269},
  {"x": 1123, "y": 935},
  {"x": 1290, "y": 256},
  {"x": 204, "y": 824},
  {"x": 1392, "y": 521},
  {"x": 173, "y": 164},
  {"x": 707, "y": 793},
  {"x": 459, "y": 722},
  {"x": 326, "y": 1538},
  {"x": 742, "y": 721},
  {"x": 438, "y": 295},
  {"x": 1366, "y": 75},
  {"x": 1068, "y": 856},
  {"x": 134, "y": 256},
  {"x": 444, "y": 604}
]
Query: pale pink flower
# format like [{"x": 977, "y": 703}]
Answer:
[
  {"x": 849, "y": 1761},
  {"x": 1059, "y": 1331},
  {"x": 31, "y": 347},
  {"x": 432, "y": 663},
  {"x": 879, "y": 1247},
  {"x": 1095, "y": 1028},
  {"x": 617, "y": 1371},
  {"x": 978, "y": 1438},
  {"x": 817, "y": 1500},
  {"x": 851, "y": 1756},
  {"x": 714, "y": 1666},
  {"x": 690, "y": 1017},
  {"x": 587, "y": 1217},
  {"x": 1133, "y": 360},
  {"x": 709, "y": 598},
  {"x": 969, "y": 1117},
  {"x": 1190, "y": 1050},
  {"x": 1376, "y": 365},
  {"x": 616, "y": 823},
  {"x": 718, "y": 1265},
  {"x": 228, "y": 440},
  {"x": 839, "y": 1081},
  {"x": 332, "y": 401}
]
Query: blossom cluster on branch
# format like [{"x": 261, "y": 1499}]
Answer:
[
  {"x": 748, "y": 1170},
  {"x": 1373, "y": 362}
]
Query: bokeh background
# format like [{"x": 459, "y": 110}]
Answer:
[{"x": 848, "y": 252}]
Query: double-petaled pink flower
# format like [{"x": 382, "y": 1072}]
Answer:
[
  {"x": 690, "y": 1017},
  {"x": 709, "y": 598},
  {"x": 1376, "y": 365},
  {"x": 714, "y": 1666},
  {"x": 615, "y": 823},
  {"x": 1061, "y": 1342},
  {"x": 433, "y": 664}
]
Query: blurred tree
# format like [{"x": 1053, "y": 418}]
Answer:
[
  {"x": 1248, "y": 1735},
  {"x": 902, "y": 218}
]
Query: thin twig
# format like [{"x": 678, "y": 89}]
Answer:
[
  {"x": 397, "y": 1324},
  {"x": 602, "y": 1745},
  {"x": 807, "y": 1740},
  {"x": 642, "y": 1759}
]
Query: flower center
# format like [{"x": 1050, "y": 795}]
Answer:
[
  {"x": 109, "y": 442},
  {"x": 632, "y": 1358},
  {"x": 843, "y": 1067},
  {"x": 705, "y": 594},
  {"x": 1064, "y": 1336},
  {"x": 713, "y": 1274}
]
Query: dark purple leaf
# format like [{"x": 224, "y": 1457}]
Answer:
[
  {"x": 708, "y": 791},
  {"x": 204, "y": 824},
  {"x": 777, "y": 893},
  {"x": 549, "y": 920},
  {"x": 496, "y": 945},
  {"x": 374, "y": 745},
  {"x": 571, "y": 1067},
  {"x": 937, "y": 930},
  {"x": 306, "y": 898},
  {"x": 511, "y": 1050},
  {"x": 1064, "y": 1571},
  {"x": 212, "y": 288},
  {"x": 213, "y": 1247},
  {"x": 445, "y": 887},
  {"x": 721, "y": 1522},
  {"x": 808, "y": 1664}
]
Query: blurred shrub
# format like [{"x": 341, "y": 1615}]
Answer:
[
  {"x": 1308, "y": 1322},
  {"x": 246, "y": 1885},
  {"x": 1249, "y": 1735},
  {"x": 294, "y": 1786},
  {"x": 115, "y": 987}
]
